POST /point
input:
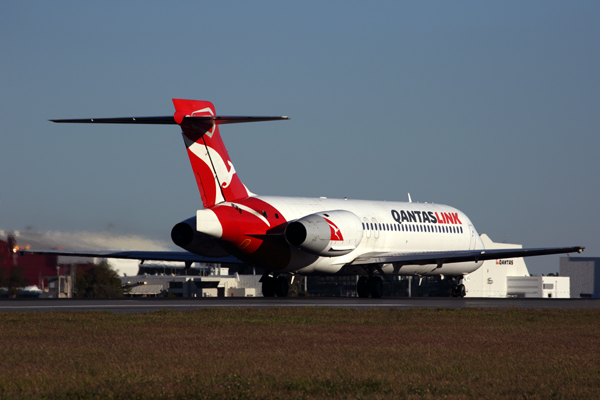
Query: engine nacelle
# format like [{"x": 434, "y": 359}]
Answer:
[
  {"x": 185, "y": 235},
  {"x": 328, "y": 234}
]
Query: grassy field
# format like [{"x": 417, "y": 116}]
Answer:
[{"x": 309, "y": 353}]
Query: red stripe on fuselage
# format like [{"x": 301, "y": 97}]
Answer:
[{"x": 241, "y": 228}]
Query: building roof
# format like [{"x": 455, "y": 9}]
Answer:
[{"x": 146, "y": 289}]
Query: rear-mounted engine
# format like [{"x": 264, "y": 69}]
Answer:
[
  {"x": 185, "y": 235},
  {"x": 328, "y": 234}
]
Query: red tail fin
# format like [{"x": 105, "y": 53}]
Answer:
[{"x": 214, "y": 172}]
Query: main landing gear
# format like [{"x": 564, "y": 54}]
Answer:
[
  {"x": 275, "y": 286},
  {"x": 458, "y": 289},
  {"x": 369, "y": 286}
]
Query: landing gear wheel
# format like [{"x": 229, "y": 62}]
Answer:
[
  {"x": 362, "y": 287},
  {"x": 461, "y": 291},
  {"x": 268, "y": 287},
  {"x": 454, "y": 291},
  {"x": 458, "y": 291},
  {"x": 281, "y": 286},
  {"x": 376, "y": 287}
]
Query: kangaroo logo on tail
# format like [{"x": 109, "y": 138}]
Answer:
[{"x": 216, "y": 177}]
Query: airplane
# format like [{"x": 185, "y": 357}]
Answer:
[{"x": 291, "y": 236}]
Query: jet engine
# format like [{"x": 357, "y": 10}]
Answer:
[
  {"x": 185, "y": 235},
  {"x": 328, "y": 234}
]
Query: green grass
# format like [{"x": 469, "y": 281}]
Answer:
[{"x": 310, "y": 353}]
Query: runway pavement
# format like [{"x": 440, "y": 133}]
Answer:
[{"x": 138, "y": 305}]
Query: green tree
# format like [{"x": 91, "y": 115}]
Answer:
[
  {"x": 3, "y": 280},
  {"x": 100, "y": 281},
  {"x": 16, "y": 280}
]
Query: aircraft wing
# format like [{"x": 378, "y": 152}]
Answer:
[
  {"x": 446, "y": 257},
  {"x": 183, "y": 256}
]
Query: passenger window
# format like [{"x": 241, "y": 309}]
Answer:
[{"x": 366, "y": 228}]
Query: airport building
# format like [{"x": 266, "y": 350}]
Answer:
[
  {"x": 196, "y": 283},
  {"x": 584, "y": 273},
  {"x": 510, "y": 278}
]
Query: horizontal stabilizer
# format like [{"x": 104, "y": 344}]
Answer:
[{"x": 169, "y": 120}]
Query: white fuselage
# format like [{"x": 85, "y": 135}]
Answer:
[{"x": 388, "y": 227}]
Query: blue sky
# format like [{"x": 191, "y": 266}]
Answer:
[{"x": 491, "y": 107}]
